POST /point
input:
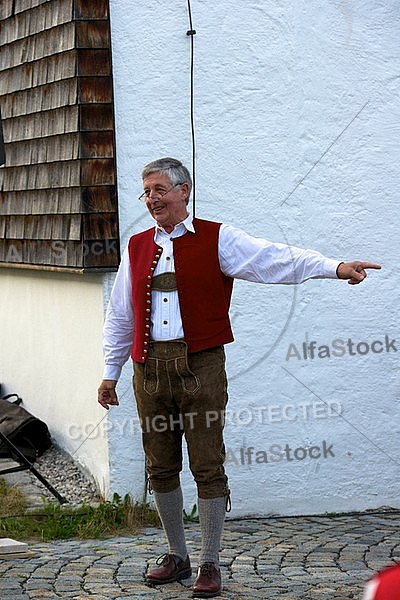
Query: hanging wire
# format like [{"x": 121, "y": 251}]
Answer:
[{"x": 192, "y": 32}]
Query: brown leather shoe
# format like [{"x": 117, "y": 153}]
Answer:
[
  {"x": 172, "y": 568},
  {"x": 208, "y": 582}
]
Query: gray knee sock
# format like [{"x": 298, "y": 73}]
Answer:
[
  {"x": 170, "y": 510},
  {"x": 211, "y": 516}
]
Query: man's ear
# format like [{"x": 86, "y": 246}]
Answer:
[{"x": 185, "y": 190}]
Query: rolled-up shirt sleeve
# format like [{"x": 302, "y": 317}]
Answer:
[
  {"x": 254, "y": 259},
  {"x": 119, "y": 322}
]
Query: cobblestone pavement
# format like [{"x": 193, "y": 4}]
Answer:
[{"x": 310, "y": 558}]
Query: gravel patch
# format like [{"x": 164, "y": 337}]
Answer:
[{"x": 60, "y": 470}]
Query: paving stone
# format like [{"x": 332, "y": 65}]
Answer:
[
  {"x": 10, "y": 546},
  {"x": 301, "y": 558}
]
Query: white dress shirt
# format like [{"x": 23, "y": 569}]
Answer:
[{"x": 240, "y": 256}]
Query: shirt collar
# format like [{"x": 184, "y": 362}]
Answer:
[{"x": 179, "y": 229}]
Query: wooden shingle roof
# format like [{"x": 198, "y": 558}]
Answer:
[{"x": 58, "y": 201}]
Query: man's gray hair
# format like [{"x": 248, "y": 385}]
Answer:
[{"x": 172, "y": 168}]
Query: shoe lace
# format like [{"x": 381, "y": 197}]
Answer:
[
  {"x": 207, "y": 569},
  {"x": 164, "y": 559}
]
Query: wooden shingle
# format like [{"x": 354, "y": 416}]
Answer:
[
  {"x": 99, "y": 199},
  {"x": 42, "y": 202},
  {"x": 45, "y": 43},
  {"x": 6, "y": 9},
  {"x": 46, "y": 97},
  {"x": 42, "y": 124},
  {"x": 58, "y": 202},
  {"x": 97, "y": 144},
  {"x": 99, "y": 90},
  {"x": 92, "y": 34},
  {"x": 90, "y": 11},
  {"x": 39, "y": 72},
  {"x": 45, "y": 150},
  {"x": 34, "y": 19},
  {"x": 22, "y": 5}
]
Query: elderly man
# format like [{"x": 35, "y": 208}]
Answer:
[{"x": 169, "y": 311}]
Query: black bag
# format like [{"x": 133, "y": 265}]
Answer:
[{"x": 28, "y": 433}]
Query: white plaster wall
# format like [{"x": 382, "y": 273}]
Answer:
[
  {"x": 297, "y": 120},
  {"x": 50, "y": 354}
]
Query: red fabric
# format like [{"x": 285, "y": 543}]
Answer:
[
  {"x": 144, "y": 255},
  {"x": 204, "y": 291},
  {"x": 386, "y": 585}
]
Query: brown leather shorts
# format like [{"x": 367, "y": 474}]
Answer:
[{"x": 182, "y": 394}]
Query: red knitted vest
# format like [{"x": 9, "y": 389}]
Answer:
[{"x": 204, "y": 291}]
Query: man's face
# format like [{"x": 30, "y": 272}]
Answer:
[{"x": 166, "y": 204}]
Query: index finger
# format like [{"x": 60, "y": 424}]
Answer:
[{"x": 368, "y": 265}]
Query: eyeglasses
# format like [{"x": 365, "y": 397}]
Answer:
[{"x": 156, "y": 193}]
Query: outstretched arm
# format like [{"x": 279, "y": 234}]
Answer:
[
  {"x": 355, "y": 271},
  {"x": 254, "y": 259}
]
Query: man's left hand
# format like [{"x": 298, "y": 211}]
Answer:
[{"x": 355, "y": 271}]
